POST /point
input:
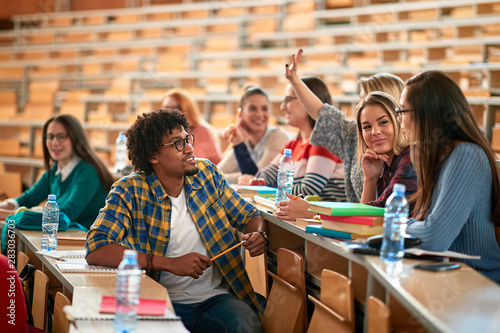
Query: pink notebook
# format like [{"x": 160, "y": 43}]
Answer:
[{"x": 146, "y": 307}]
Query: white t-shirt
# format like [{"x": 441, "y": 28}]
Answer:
[{"x": 184, "y": 238}]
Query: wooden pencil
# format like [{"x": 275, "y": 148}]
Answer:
[{"x": 223, "y": 253}]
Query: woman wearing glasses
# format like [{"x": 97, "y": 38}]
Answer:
[
  {"x": 252, "y": 135},
  {"x": 207, "y": 143},
  {"x": 345, "y": 138},
  {"x": 73, "y": 173},
  {"x": 457, "y": 204},
  {"x": 317, "y": 171}
]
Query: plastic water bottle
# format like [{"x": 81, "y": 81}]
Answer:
[
  {"x": 395, "y": 222},
  {"x": 128, "y": 286},
  {"x": 285, "y": 176},
  {"x": 121, "y": 159},
  {"x": 50, "y": 224}
]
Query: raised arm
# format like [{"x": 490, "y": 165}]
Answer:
[{"x": 306, "y": 97}]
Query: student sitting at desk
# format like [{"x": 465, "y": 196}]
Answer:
[
  {"x": 73, "y": 173},
  {"x": 177, "y": 212},
  {"x": 317, "y": 171},
  {"x": 457, "y": 204},
  {"x": 252, "y": 133},
  {"x": 333, "y": 130},
  {"x": 382, "y": 151}
]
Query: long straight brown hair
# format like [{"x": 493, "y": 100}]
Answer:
[
  {"x": 442, "y": 118},
  {"x": 80, "y": 145}
]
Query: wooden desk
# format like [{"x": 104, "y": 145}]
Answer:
[
  {"x": 461, "y": 300},
  {"x": 29, "y": 242},
  {"x": 87, "y": 289},
  {"x": 454, "y": 301}
]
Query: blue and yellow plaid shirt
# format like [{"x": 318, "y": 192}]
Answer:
[{"x": 138, "y": 212}]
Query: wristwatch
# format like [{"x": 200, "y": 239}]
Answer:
[{"x": 263, "y": 233}]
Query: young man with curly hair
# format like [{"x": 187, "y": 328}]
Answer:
[{"x": 177, "y": 212}]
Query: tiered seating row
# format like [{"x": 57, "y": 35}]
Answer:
[{"x": 107, "y": 66}]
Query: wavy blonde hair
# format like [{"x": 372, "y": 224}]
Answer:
[{"x": 386, "y": 82}]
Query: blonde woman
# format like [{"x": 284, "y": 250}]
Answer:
[
  {"x": 332, "y": 130},
  {"x": 383, "y": 152}
]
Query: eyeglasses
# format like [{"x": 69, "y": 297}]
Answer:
[
  {"x": 180, "y": 144},
  {"x": 399, "y": 112},
  {"x": 288, "y": 99},
  {"x": 60, "y": 137}
]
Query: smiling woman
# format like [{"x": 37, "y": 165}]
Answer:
[
  {"x": 386, "y": 159},
  {"x": 73, "y": 172},
  {"x": 252, "y": 134},
  {"x": 317, "y": 171}
]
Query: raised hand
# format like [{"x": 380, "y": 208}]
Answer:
[{"x": 291, "y": 69}]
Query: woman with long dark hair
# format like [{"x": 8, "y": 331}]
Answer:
[
  {"x": 73, "y": 173},
  {"x": 457, "y": 204},
  {"x": 317, "y": 171}
]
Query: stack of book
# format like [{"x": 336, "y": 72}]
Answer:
[
  {"x": 346, "y": 220},
  {"x": 250, "y": 191}
]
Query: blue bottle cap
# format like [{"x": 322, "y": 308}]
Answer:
[
  {"x": 287, "y": 152},
  {"x": 131, "y": 254},
  {"x": 52, "y": 197},
  {"x": 399, "y": 188}
]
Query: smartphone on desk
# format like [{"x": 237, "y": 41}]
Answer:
[{"x": 440, "y": 267}]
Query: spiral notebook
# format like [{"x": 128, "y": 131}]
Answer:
[
  {"x": 64, "y": 255},
  {"x": 74, "y": 315},
  {"x": 79, "y": 265}
]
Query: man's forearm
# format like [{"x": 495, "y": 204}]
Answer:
[
  {"x": 257, "y": 223},
  {"x": 111, "y": 255}
]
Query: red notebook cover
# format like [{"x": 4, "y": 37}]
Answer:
[
  {"x": 366, "y": 220},
  {"x": 146, "y": 307}
]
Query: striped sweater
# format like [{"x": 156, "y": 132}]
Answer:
[{"x": 317, "y": 171}]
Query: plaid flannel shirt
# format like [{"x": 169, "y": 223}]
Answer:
[{"x": 138, "y": 211}]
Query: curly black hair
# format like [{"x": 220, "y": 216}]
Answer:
[{"x": 145, "y": 135}]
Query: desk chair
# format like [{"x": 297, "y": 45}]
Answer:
[
  {"x": 335, "y": 311},
  {"x": 283, "y": 309},
  {"x": 291, "y": 271},
  {"x": 40, "y": 296},
  {"x": 256, "y": 268},
  {"x": 22, "y": 260},
  {"x": 60, "y": 323},
  {"x": 379, "y": 316}
]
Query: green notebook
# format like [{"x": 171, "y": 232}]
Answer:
[{"x": 345, "y": 209}]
